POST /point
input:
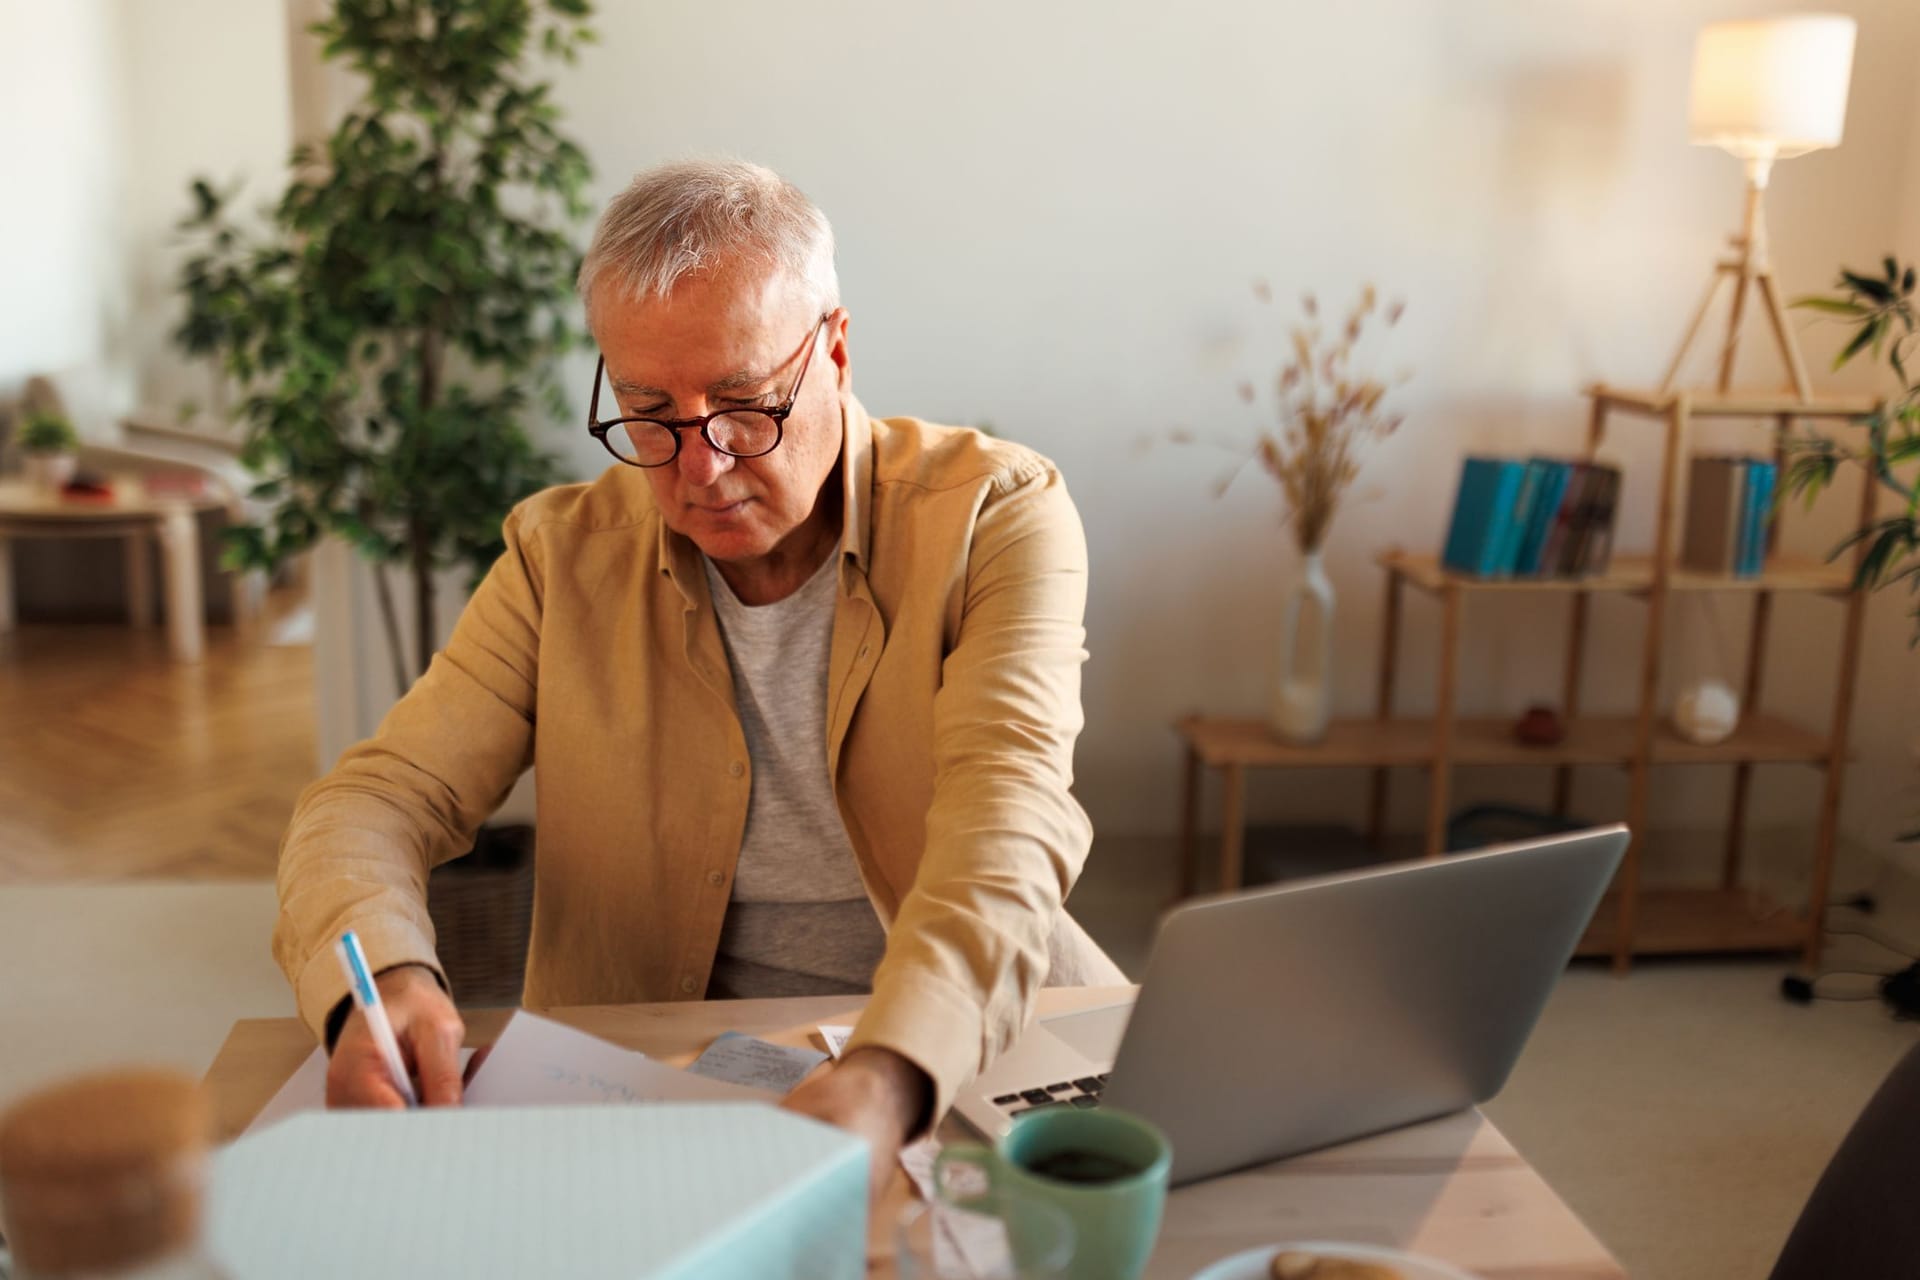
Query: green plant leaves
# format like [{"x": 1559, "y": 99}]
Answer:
[{"x": 395, "y": 325}]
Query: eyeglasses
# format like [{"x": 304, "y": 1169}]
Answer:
[{"x": 654, "y": 442}]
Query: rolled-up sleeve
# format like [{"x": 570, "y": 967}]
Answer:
[
  {"x": 1005, "y": 839},
  {"x": 364, "y": 837}
]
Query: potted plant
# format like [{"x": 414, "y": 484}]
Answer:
[
  {"x": 398, "y": 320},
  {"x": 1880, "y": 308},
  {"x": 52, "y": 450}
]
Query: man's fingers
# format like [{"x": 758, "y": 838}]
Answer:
[
  {"x": 357, "y": 1076},
  {"x": 474, "y": 1063},
  {"x": 436, "y": 1055}
]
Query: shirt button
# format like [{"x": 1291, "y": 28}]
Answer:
[
  {"x": 687, "y": 985},
  {"x": 736, "y": 768},
  {"x": 716, "y": 878}
]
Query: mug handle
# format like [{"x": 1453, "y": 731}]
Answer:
[{"x": 969, "y": 1155}]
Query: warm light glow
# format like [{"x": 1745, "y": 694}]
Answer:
[{"x": 1772, "y": 87}]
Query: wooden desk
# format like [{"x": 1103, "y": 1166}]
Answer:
[
  {"x": 131, "y": 514},
  {"x": 1453, "y": 1188}
]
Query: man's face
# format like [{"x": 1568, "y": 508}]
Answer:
[{"x": 733, "y": 341}]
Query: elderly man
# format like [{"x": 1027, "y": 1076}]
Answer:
[{"x": 800, "y": 688}]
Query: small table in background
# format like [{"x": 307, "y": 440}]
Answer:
[{"x": 131, "y": 514}]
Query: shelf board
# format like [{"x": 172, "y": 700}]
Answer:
[
  {"x": 1760, "y": 739},
  {"x": 1482, "y": 740},
  {"x": 1736, "y": 404},
  {"x": 1630, "y": 575},
  {"x": 1697, "y": 921},
  {"x": 1224, "y": 741}
]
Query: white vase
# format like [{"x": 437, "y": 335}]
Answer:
[
  {"x": 1303, "y": 692},
  {"x": 49, "y": 472}
]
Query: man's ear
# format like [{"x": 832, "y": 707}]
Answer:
[{"x": 838, "y": 352}]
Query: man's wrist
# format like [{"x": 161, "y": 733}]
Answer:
[
  {"x": 337, "y": 1016},
  {"x": 909, "y": 1085}
]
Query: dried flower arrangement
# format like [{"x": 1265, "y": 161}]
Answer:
[{"x": 1326, "y": 413}]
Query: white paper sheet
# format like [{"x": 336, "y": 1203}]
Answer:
[
  {"x": 306, "y": 1090},
  {"x": 537, "y": 1061},
  {"x": 835, "y": 1038}
]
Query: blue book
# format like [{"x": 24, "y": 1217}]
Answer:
[
  {"x": 1761, "y": 476},
  {"x": 1507, "y": 557},
  {"x": 1482, "y": 514},
  {"x": 1546, "y": 506}
]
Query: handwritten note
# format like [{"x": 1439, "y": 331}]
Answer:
[
  {"x": 537, "y": 1061},
  {"x": 758, "y": 1064}
]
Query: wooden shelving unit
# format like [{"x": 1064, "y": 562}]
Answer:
[{"x": 1633, "y": 921}]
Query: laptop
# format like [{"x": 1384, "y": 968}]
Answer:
[{"x": 1280, "y": 1020}]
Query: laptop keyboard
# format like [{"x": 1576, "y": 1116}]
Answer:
[{"x": 1084, "y": 1092}]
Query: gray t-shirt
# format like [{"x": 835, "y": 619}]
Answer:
[{"x": 799, "y": 921}]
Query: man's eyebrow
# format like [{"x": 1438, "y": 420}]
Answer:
[{"x": 732, "y": 382}]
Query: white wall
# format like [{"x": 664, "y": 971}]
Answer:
[
  {"x": 1049, "y": 215},
  {"x": 60, "y": 143},
  {"x": 206, "y": 94},
  {"x": 108, "y": 108}
]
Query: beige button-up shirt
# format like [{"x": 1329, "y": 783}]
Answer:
[{"x": 591, "y": 652}]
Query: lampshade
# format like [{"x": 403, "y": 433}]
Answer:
[{"x": 1772, "y": 87}]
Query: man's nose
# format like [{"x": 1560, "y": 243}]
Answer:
[{"x": 700, "y": 463}]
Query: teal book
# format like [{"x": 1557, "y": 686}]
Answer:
[
  {"x": 1507, "y": 557},
  {"x": 1761, "y": 477},
  {"x": 1540, "y": 519},
  {"x": 1482, "y": 515}
]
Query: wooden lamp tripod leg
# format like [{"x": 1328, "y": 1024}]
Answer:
[{"x": 1693, "y": 327}]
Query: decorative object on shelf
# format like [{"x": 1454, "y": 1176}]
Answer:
[
  {"x": 1540, "y": 726},
  {"x": 1764, "y": 89},
  {"x": 1302, "y": 695},
  {"x": 1532, "y": 518},
  {"x": 1327, "y": 413},
  {"x": 1881, "y": 309},
  {"x": 1707, "y": 712},
  {"x": 51, "y": 448}
]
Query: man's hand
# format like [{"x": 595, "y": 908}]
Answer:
[
  {"x": 871, "y": 1093},
  {"x": 429, "y": 1030}
]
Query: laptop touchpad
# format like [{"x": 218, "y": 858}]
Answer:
[{"x": 1095, "y": 1033}]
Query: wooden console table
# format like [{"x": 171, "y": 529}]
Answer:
[{"x": 132, "y": 515}]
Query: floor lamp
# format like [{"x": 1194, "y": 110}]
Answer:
[{"x": 1764, "y": 90}]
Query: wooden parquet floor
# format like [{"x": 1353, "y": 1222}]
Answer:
[{"x": 117, "y": 763}]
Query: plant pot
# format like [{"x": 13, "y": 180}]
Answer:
[
  {"x": 482, "y": 909},
  {"x": 1303, "y": 692},
  {"x": 50, "y": 472}
]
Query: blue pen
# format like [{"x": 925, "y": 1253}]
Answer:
[{"x": 367, "y": 996}]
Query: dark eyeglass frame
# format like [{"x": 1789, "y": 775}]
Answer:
[{"x": 598, "y": 430}]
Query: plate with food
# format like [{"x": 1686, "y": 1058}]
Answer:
[{"x": 1329, "y": 1260}]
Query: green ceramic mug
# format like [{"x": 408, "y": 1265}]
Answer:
[{"x": 1106, "y": 1170}]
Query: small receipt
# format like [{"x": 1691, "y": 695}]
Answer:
[
  {"x": 835, "y": 1038},
  {"x": 758, "y": 1064}
]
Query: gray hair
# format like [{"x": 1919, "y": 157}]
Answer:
[{"x": 694, "y": 216}]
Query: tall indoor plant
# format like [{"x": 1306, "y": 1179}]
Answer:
[{"x": 395, "y": 323}]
